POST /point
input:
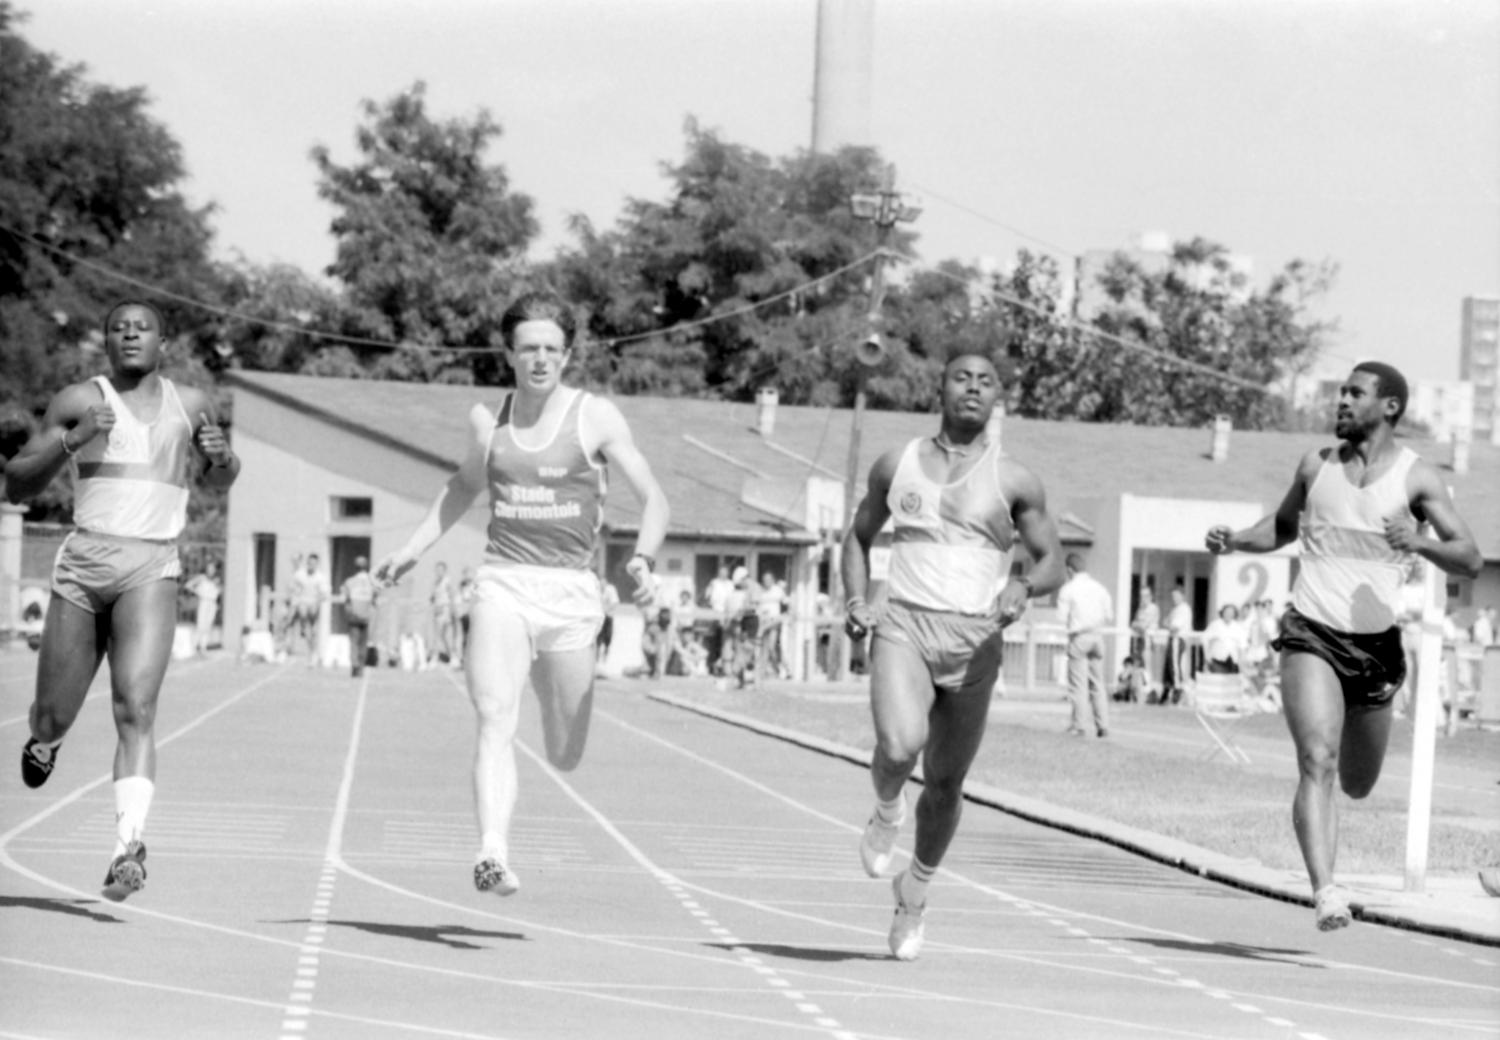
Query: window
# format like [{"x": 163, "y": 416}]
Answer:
[{"x": 351, "y": 508}]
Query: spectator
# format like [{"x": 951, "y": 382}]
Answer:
[
  {"x": 659, "y": 644},
  {"x": 206, "y": 589},
  {"x": 464, "y": 605},
  {"x": 1224, "y": 641},
  {"x": 358, "y": 595},
  {"x": 606, "y": 635},
  {"x": 1179, "y": 632},
  {"x": 1144, "y": 629},
  {"x": 1087, "y": 610},
  {"x": 716, "y": 598},
  {"x": 744, "y": 627},
  {"x": 308, "y": 594},
  {"x": 443, "y": 601},
  {"x": 1483, "y": 629},
  {"x": 1132, "y": 683},
  {"x": 768, "y": 610}
]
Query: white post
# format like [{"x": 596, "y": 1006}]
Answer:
[{"x": 1424, "y": 726}]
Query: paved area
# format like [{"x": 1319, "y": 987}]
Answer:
[{"x": 310, "y": 853}]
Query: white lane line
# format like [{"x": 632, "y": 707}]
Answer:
[{"x": 1011, "y": 898}]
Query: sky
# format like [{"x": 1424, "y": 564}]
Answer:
[{"x": 1361, "y": 132}]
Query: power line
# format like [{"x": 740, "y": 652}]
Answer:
[{"x": 361, "y": 341}]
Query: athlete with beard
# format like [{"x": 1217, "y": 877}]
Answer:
[{"x": 1357, "y": 508}]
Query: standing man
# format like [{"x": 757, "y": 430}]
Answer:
[
  {"x": 308, "y": 594},
  {"x": 537, "y": 603},
  {"x": 205, "y": 588},
  {"x": 443, "y": 599},
  {"x": 1142, "y": 632},
  {"x": 358, "y": 594},
  {"x": 1087, "y": 610},
  {"x": 959, "y": 506},
  {"x": 1359, "y": 506},
  {"x": 134, "y": 440}
]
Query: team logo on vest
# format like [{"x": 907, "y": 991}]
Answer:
[{"x": 910, "y": 503}]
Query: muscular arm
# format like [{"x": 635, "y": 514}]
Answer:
[
  {"x": 617, "y": 445},
  {"x": 451, "y": 503},
  {"x": 1038, "y": 533},
  {"x": 870, "y": 516},
  {"x": 70, "y": 415},
  {"x": 1274, "y": 530},
  {"x": 1454, "y": 550},
  {"x": 209, "y": 439}
]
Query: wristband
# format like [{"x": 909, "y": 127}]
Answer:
[
  {"x": 854, "y": 601},
  {"x": 650, "y": 561},
  {"x": 69, "y": 452}
]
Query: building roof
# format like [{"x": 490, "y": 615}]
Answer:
[{"x": 724, "y": 479}]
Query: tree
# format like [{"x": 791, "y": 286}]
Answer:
[
  {"x": 1194, "y": 307},
  {"x": 430, "y": 238},
  {"x": 707, "y": 291},
  {"x": 88, "y": 191}
]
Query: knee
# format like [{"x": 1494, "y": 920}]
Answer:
[
  {"x": 1318, "y": 762},
  {"x": 897, "y": 750},
  {"x": 1358, "y": 783},
  {"x": 943, "y": 794},
  {"x": 566, "y": 759},
  {"x": 133, "y": 715}
]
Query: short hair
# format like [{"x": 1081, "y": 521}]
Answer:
[
  {"x": 964, "y": 350},
  {"x": 1388, "y": 383},
  {"x": 161, "y": 323},
  {"x": 539, "y": 305},
  {"x": 1075, "y": 561}
]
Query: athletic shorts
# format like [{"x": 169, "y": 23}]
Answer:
[
  {"x": 562, "y": 609},
  {"x": 1371, "y": 666},
  {"x": 93, "y": 570},
  {"x": 960, "y": 650}
]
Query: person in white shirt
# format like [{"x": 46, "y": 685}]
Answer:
[
  {"x": 1224, "y": 641},
  {"x": 1179, "y": 631},
  {"x": 1086, "y": 609},
  {"x": 1483, "y": 629}
]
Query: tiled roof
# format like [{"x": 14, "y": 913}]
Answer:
[{"x": 704, "y": 451}]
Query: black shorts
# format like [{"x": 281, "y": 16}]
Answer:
[{"x": 1371, "y": 666}]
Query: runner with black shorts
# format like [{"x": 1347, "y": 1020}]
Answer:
[{"x": 1357, "y": 508}]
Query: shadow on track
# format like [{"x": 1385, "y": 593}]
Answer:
[
  {"x": 73, "y": 907},
  {"x": 801, "y": 953},
  {"x": 1222, "y": 949},
  {"x": 441, "y": 934}
]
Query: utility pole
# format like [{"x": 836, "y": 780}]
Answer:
[{"x": 885, "y": 208}]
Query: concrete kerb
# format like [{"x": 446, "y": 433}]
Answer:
[{"x": 1413, "y": 913}]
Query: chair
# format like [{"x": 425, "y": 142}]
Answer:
[{"x": 1220, "y": 702}]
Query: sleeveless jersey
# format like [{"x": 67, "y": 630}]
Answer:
[
  {"x": 953, "y": 542},
  {"x": 134, "y": 482},
  {"x": 1350, "y": 577},
  {"x": 546, "y": 502}
]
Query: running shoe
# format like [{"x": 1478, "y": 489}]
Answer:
[
  {"x": 127, "y": 873},
  {"x": 490, "y": 875},
  {"x": 1333, "y": 908},
  {"x": 906, "y": 927},
  {"x": 878, "y": 843},
  {"x": 37, "y": 762}
]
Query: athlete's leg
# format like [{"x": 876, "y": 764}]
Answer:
[
  {"x": 73, "y": 641},
  {"x": 1314, "y": 704},
  {"x": 1362, "y": 750},
  {"x": 496, "y": 671},
  {"x": 901, "y": 695},
  {"x": 143, "y": 623},
  {"x": 956, "y": 728},
  {"x": 564, "y": 684}
]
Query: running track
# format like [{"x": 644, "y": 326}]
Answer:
[{"x": 310, "y": 849}]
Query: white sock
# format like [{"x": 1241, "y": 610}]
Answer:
[
  {"x": 132, "y": 803},
  {"x": 493, "y": 846},
  {"x": 893, "y": 811},
  {"x": 914, "y": 883}
]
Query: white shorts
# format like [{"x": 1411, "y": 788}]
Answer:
[{"x": 562, "y": 609}]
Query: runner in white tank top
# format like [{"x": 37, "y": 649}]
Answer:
[
  {"x": 130, "y": 439},
  {"x": 1357, "y": 508},
  {"x": 537, "y": 605},
  {"x": 958, "y": 507}
]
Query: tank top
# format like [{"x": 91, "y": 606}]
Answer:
[
  {"x": 546, "y": 501},
  {"x": 1350, "y": 577},
  {"x": 953, "y": 542},
  {"x": 134, "y": 482}
]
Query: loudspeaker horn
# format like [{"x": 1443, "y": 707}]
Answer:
[{"x": 871, "y": 351}]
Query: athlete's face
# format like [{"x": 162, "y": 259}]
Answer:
[
  {"x": 971, "y": 386},
  {"x": 132, "y": 339},
  {"x": 538, "y": 352},
  {"x": 1361, "y": 409}
]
